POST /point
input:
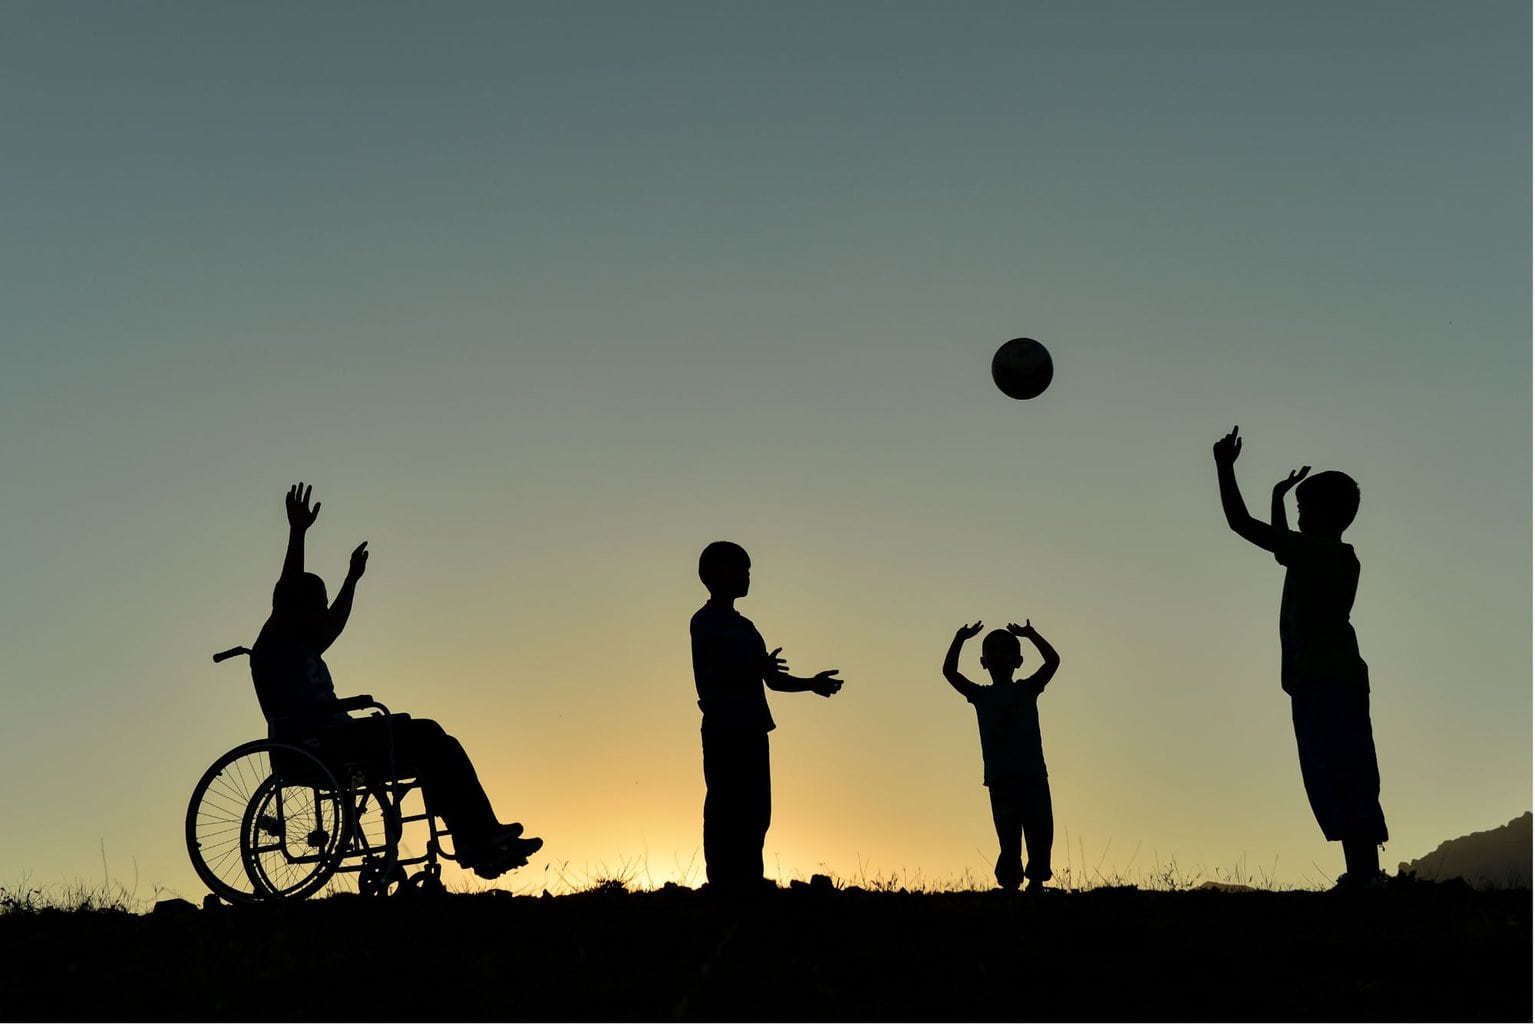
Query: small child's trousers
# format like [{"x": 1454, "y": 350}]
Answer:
[{"x": 1020, "y": 809}]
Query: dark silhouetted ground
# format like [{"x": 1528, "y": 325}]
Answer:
[{"x": 1423, "y": 952}]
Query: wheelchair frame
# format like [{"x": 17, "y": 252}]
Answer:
[{"x": 271, "y": 820}]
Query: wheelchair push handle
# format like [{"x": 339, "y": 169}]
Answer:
[{"x": 357, "y": 703}]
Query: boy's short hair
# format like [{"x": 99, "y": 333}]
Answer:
[
  {"x": 307, "y": 590},
  {"x": 999, "y": 645},
  {"x": 719, "y": 557},
  {"x": 1331, "y": 497}
]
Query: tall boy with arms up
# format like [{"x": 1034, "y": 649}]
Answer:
[{"x": 1320, "y": 667}]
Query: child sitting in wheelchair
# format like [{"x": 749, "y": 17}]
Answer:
[{"x": 297, "y": 697}]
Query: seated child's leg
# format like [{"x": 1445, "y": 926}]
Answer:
[
  {"x": 1006, "y": 815},
  {"x": 448, "y": 779},
  {"x": 1038, "y": 828}
]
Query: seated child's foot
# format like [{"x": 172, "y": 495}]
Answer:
[
  {"x": 500, "y": 859},
  {"x": 503, "y": 850}
]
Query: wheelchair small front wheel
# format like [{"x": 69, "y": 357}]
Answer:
[{"x": 267, "y": 821}]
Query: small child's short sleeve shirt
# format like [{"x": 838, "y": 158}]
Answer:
[{"x": 1008, "y": 716}]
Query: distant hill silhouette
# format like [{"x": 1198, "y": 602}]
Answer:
[{"x": 1495, "y": 859}]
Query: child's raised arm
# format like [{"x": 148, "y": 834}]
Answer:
[
  {"x": 1047, "y": 654},
  {"x": 1277, "y": 518},
  {"x": 951, "y": 661},
  {"x": 341, "y": 607},
  {"x": 300, "y": 518},
  {"x": 1241, "y": 522},
  {"x": 1276, "y": 507}
]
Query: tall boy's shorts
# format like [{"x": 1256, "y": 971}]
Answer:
[{"x": 1337, "y": 759}]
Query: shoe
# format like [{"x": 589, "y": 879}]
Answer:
[
  {"x": 503, "y": 855},
  {"x": 1351, "y": 883}
]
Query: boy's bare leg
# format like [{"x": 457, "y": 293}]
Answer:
[
  {"x": 1361, "y": 858},
  {"x": 1009, "y": 824},
  {"x": 1038, "y": 831}
]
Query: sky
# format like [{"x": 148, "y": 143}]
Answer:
[{"x": 542, "y": 298}]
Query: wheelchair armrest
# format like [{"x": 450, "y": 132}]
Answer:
[{"x": 359, "y": 702}]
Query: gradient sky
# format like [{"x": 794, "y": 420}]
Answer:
[{"x": 544, "y": 297}]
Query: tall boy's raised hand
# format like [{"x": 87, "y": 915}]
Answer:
[
  {"x": 1296, "y": 476},
  {"x": 1228, "y": 448},
  {"x": 966, "y": 632},
  {"x": 1026, "y": 630},
  {"x": 300, "y": 515}
]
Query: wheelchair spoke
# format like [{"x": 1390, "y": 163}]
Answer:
[{"x": 251, "y": 836}]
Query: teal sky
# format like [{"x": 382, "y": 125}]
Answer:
[{"x": 544, "y": 297}]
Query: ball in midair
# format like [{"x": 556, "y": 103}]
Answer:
[{"x": 1022, "y": 368}]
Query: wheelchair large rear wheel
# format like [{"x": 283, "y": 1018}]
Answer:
[{"x": 267, "y": 821}]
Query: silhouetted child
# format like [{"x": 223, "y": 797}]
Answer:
[
  {"x": 731, "y": 665},
  {"x": 1320, "y": 667},
  {"x": 1011, "y": 750},
  {"x": 298, "y": 698}
]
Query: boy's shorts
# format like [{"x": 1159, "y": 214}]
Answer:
[{"x": 1337, "y": 760}]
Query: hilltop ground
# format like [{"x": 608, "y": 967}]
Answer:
[{"x": 1426, "y": 952}]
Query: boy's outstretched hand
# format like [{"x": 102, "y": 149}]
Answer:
[
  {"x": 966, "y": 632},
  {"x": 826, "y": 683},
  {"x": 1026, "y": 630},
  {"x": 1228, "y": 448},
  {"x": 300, "y": 515},
  {"x": 359, "y": 563},
  {"x": 1296, "y": 476}
]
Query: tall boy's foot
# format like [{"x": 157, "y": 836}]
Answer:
[
  {"x": 1359, "y": 882},
  {"x": 1036, "y": 886}
]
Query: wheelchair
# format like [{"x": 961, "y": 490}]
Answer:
[{"x": 279, "y": 819}]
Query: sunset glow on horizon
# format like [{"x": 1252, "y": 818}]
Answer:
[{"x": 543, "y": 299}]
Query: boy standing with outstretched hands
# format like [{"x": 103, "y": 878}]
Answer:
[{"x": 731, "y": 665}]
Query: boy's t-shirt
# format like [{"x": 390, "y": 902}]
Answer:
[
  {"x": 1008, "y": 715},
  {"x": 729, "y": 658},
  {"x": 1316, "y": 640}
]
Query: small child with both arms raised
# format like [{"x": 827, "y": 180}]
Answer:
[{"x": 1011, "y": 750}]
